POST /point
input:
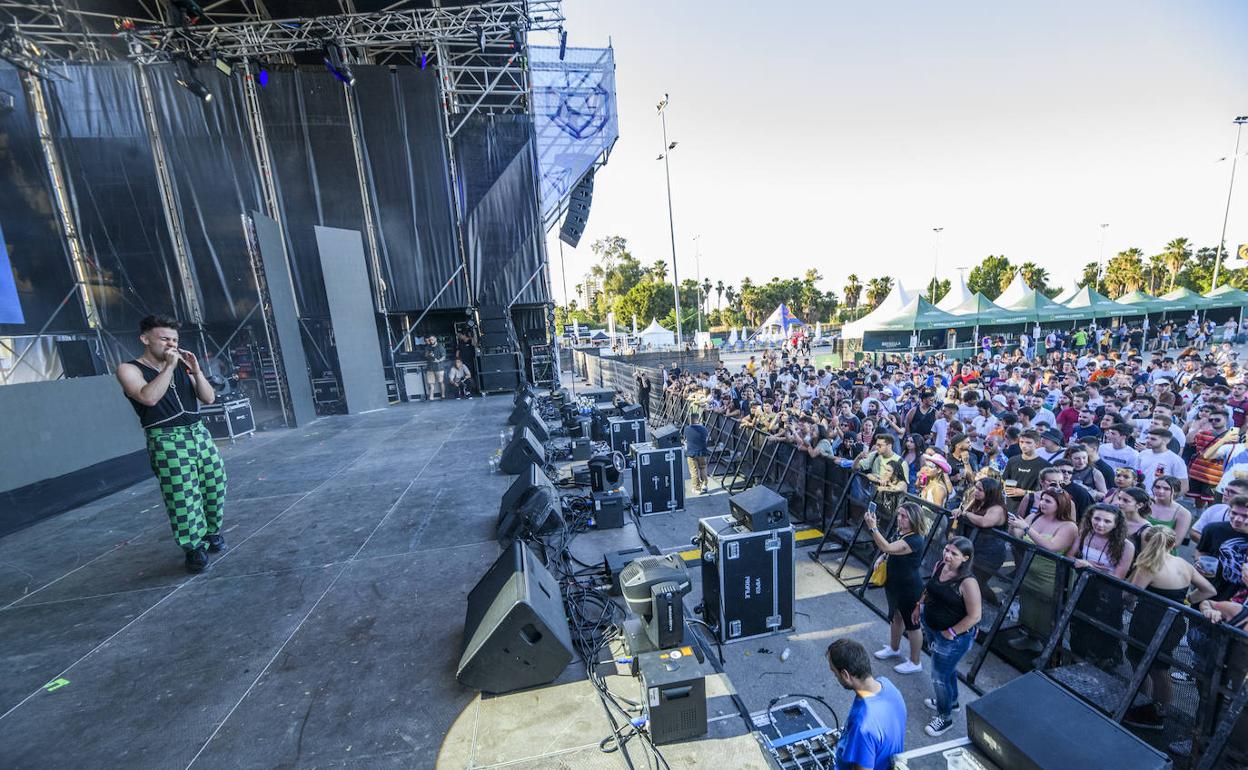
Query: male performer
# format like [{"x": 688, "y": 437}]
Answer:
[{"x": 165, "y": 385}]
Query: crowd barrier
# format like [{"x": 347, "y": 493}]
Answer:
[{"x": 1099, "y": 636}]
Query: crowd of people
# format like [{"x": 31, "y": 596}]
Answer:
[{"x": 1115, "y": 457}]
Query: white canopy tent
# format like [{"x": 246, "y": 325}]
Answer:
[
  {"x": 656, "y": 336},
  {"x": 1017, "y": 291},
  {"x": 957, "y": 296},
  {"x": 1066, "y": 295}
]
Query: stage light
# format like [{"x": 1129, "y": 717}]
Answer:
[
  {"x": 222, "y": 65},
  {"x": 481, "y": 38},
  {"x": 337, "y": 64},
  {"x": 563, "y": 43},
  {"x": 186, "y": 78},
  {"x": 262, "y": 77},
  {"x": 420, "y": 55}
]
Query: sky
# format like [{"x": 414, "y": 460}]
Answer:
[{"x": 837, "y": 135}]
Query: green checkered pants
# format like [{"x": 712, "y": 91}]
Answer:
[{"x": 192, "y": 480}]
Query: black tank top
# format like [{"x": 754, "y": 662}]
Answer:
[
  {"x": 178, "y": 407},
  {"x": 944, "y": 607},
  {"x": 923, "y": 422}
]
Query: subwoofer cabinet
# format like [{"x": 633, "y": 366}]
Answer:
[
  {"x": 516, "y": 631},
  {"x": 747, "y": 578}
]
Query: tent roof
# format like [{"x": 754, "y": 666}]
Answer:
[
  {"x": 1095, "y": 304},
  {"x": 1034, "y": 306},
  {"x": 1017, "y": 291},
  {"x": 1066, "y": 294},
  {"x": 782, "y": 317},
  {"x": 957, "y": 294},
  {"x": 1227, "y": 296},
  {"x": 655, "y": 328},
  {"x": 898, "y": 297},
  {"x": 1184, "y": 298},
  {"x": 1142, "y": 301},
  {"x": 917, "y": 315},
  {"x": 985, "y": 312}
]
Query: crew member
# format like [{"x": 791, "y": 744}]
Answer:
[
  {"x": 166, "y": 385},
  {"x": 875, "y": 730}
]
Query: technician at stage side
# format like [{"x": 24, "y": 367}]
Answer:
[{"x": 165, "y": 385}]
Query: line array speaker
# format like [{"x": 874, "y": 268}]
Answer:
[{"x": 578, "y": 210}]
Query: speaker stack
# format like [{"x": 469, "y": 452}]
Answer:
[
  {"x": 578, "y": 210},
  {"x": 516, "y": 630}
]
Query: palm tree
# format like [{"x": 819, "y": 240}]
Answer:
[
  {"x": 1124, "y": 273},
  {"x": 1177, "y": 252},
  {"x": 877, "y": 290},
  {"x": 1156, "y": 273},
  {"x": 706, "y": 292},
  {"x": 1035, "y": 276},
  {"x": 853, "y": 290},
  {"x": 659, "y": 270},
  {"x": 719, "y": 294}
]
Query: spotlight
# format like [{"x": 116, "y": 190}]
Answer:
[
  {"x": 517, "y": 37},
  {"x": 186, "y": 78},
  {"x": 420, "y": 55},
  {"x": 481, "y": 38},
  {"x": 563, "y": 43},
  {"x": 222, "y": 65},
  {"x": 337, "y": 64},
  {"x": 262, "y": 76}
]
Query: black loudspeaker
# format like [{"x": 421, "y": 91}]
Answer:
[
  {"x": 759, "y": 508},
  {"x": 632, "y": 411},
  {"x": 78, "y": 359},
  {"x": 1015, "y": 726},
  {"x": 523, "y": 450},
  {"x": 537, "y": 514},
  {"x": 666, "y": 437},
  {"x": 529, "y": 478},
  {"x": 516, "y": 631},
  {"x": 578, "y": 210}
]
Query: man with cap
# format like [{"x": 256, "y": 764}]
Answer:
[{"x": 1051, "y": 445}]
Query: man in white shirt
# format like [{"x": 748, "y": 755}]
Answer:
[
  {"x": 1044, "y": 418},
  {"x": 981, "y": 425},
  {"x": 1114, "y": 450},
  {"x": 1156, "y": 460}
]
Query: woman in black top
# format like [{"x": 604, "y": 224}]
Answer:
[
  {"x": 982, "y": 517},
  {"x": 903, "y": 584},
  {"x": 949, "y": 611}
]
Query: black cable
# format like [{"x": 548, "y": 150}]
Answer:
[{"x": 772, "y": 704}]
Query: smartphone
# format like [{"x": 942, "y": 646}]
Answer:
[{"x": 871, "y": 508}]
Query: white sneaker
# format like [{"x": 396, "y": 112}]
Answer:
[
  {"x": 906, "y": 667},
  {"x": 887, "y": 652}
]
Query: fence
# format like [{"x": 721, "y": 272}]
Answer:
[{"x": 1105, "y": 640}]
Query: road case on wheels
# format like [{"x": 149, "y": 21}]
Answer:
[
  {"x": 658, "y": 479},
  {"x": 747, "y": 578}
]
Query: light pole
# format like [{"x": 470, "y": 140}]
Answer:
[
  {"x": 671, "y": 223},
  {"x": 935, "y": 262},
  {"x": 1100, "y": 260},
  {"x": 1217, "y": 264},
  {"x": 697, "y": 266}
]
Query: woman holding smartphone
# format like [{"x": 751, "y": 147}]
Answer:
[
  {"x": 1052, "y": 528},
  {"x": 903, "y": 584}
]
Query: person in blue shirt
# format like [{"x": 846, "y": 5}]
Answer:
[
  {"x": 875, "y": 730},
  {"x": 697, "y": 452}
]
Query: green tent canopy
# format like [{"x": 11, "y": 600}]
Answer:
[
  {"x": 1034, "y": 306},
  {"x": 1184, "y": 298},
  {"x": 1227, "y": 296},
  {"x": 916, "y": 315},
  {"x": 984, "y": 312},
  {"x": 1142, "y": 302},
  {"x": 1096, "y": 305}
]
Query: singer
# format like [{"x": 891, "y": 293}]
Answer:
[{"x": 165, "y": 385}]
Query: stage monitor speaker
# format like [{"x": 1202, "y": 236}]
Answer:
[
  {"x": 78, "y": 359},
  {"x": 632, "y": 411},
  {"x": 759, "y": 508},
  {"x": 665, "y": 437},
  {"x": 530, "y": 478},
  {"x": 523, "y": 449},
  {"x": 522, "y": 417},
  {"x": 578, "y": 210},
  {"x": 539, "y": 513},
  {"x": 516, "y": 631},
  {"x": 1015, "y": 724}
]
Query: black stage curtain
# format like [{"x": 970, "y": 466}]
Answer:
[
  {"x": 309, "y": 136},
  {"x": 502, "y": 226},
  {"x": 97, "y": 123},
  {"x": 409, "y": 185},
  {"x": 28, "y": 219},
  {"x": 215, "y": 183}
]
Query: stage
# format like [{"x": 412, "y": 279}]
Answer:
[{"x": 327, "y": 634}]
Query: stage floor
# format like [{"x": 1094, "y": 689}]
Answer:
[{"x": 327, "y": 634}]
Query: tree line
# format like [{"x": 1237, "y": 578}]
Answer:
[{"x": 619, "y": 282}]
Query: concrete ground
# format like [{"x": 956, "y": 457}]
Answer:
[{"x": 327, "y": 634}]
